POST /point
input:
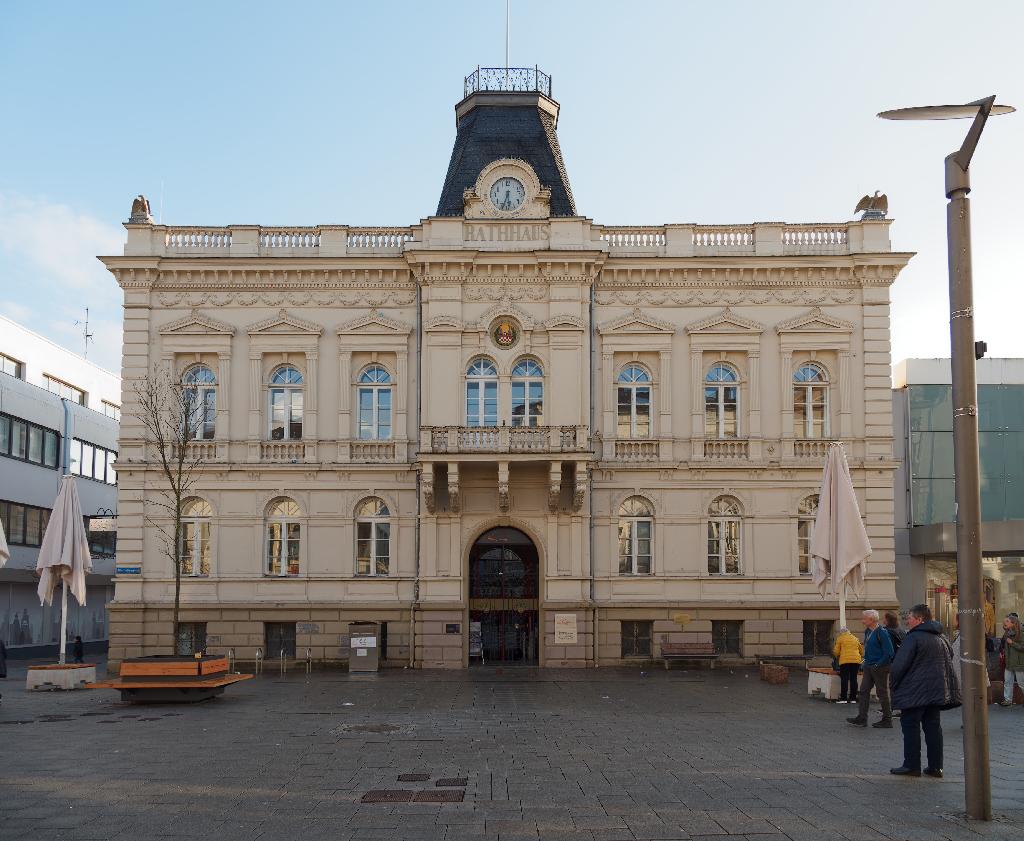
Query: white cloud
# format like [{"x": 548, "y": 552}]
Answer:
[
  {"x": 59, "y": 241},
  {"x": 15, "y": 311}
]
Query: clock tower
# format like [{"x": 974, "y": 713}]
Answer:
[{"x": 507, "y": 115}]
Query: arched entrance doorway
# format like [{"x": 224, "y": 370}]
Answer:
[{"x": 504, "y": 596}]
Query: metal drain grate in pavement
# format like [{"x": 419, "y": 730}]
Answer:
[
  {"x": 387, "y": 796},
  {"x": 443, "y": 796},
  {"x": 413, "y": 778},
  {"x": 452, "y": 781}
]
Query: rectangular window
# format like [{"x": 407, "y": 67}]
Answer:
[
  {"x": 87, "y": 460},
  {"x": 24, "y": 525},
  {"x": 804, "y": 529},
  {"x": 279, "y": 638},
  {"x": 636, "y": 639},
  {"x": 28, "y": 441},
  {"x": 102, "y": 544},
  {"x": 373, "y": 548},
  {"x": 112, "y": 410},
  {"x": 63, "y": 389},
  {"x": 111, "y": 475},
  {"x": 10, "y": 365},
  {"x": 635, "y": 547},
  {"x": 191, "y": 638},
  {"x": 724, "y": 547},
  {"x": 76, "y": 457},
  {"x": 817, "y": 637},
  {"x": 726, "y": 636},
  {"x": 92, "y": 462},
  {"x": 19, "y": 438},
  {"x": 51, "y": 449},
  {"x": 5, "y": 435}
]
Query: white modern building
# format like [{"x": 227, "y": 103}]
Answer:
[{"x": 58, "y": 413}]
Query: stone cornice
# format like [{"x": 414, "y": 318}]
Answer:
[
  {"x": 292, "y": 323},
  {"x": 726, "y": 318},
  {"x": 196, "y": 319},
  {"x": 814, "y": 321},
  {"x": 647, "y": 323},
  {"x": 503, "y": 307},
  {"x": 444, "y": 323},
  {"x": 564, "y": 322},
  {"x": 374, "y": 319}
]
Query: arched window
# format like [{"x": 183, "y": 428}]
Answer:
[
  {"x": 636, "y": 533},
  {"x": 481, "y": 393},
  {"x": 194, "y": 552},
  {"x": 807, "y": 513},
  {"x": 527, "y": 393},
  {"x": 286, "y": 395},
  {"x": 375, "y": 403},
  {"x": 373, "y": 537},
  {"x": 200, "y": 402},
  {"x": 284, "y": 536},
  {"x": 724, "y": 550},
  {"x": 634, "y": 403},
  {"x": 722, "y": 402},
  {"x": 810, "y": 402}
]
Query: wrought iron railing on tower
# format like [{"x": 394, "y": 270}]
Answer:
[{"x": 517, "y": 79}]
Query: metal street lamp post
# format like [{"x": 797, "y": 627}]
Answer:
[{"x": 964, "y": 355}]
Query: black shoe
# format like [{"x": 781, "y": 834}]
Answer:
[
  {"x": 904, "y": 772},
  {"x": 858, "y": 722},
  {"x": 885, "y": 722},
  {"x": 933, "y": 772}
]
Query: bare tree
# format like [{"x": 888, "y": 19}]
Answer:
[{"x": 171, "y": 413}]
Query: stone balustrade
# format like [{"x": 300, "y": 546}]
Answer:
[
  {"x": 503, "y": 439},
  {"x": 372, "y": 451},
  {"x": 810, "y": 448},
  {"x": 726, "y": 448},
  {"x": 283, "y": 451},
  {"x": 378, "y": 239},
  {"x": 291, "y": 238},
  {"x": 637, "y": 450}
]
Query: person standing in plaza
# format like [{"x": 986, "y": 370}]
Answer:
[
  {"x": 878, "y": 655},
  {"x": 892, "y": 626},
  {"x": 849, "y": 651},
  {"x": 78, "y": 650},
  {"x": 924, "y": 682},
  {"x": 1013, "y": 656}
]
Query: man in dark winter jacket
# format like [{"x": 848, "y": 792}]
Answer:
[{"x": 924, "y": 683}]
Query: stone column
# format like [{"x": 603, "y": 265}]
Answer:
[
  {"x": 607, "y": 372},
  {"x": 697, "y": 403},
  {"x": 309, "y": 421},
  {"x": 255, "y": 416},
  {"x": 845, "y": 416},
  {"x": 401, "y": 390},
  {"x": 345, "y": 395}
]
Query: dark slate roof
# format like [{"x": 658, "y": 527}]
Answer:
[{"x": 492, "y": 132}]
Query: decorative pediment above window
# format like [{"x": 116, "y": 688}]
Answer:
[
  {"x": 285, "y": 324},
  {"x": 636, "y": 321},
  {"x": 197, "y": 324},
  {"x": 814, "y": 321},
  {"x": 565, "y": 322},
  {"x": 374, "y": 323},
  {"x": 505, "y": 307},
  {"x": 725, "y": 321},
  {"x": 444, "y": 323}
]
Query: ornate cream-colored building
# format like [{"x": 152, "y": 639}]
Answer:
[{"x": 504, "y": 416}]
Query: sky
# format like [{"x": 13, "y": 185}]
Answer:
[{"x": 343, "y": 113}]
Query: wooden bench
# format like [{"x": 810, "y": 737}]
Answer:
[
  {"x": 688, "y": 651},
  {"x": 170, "y": 679}
]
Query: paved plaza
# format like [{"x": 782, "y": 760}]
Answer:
[{"x": 600, "y": 754}]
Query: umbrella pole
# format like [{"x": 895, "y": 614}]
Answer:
[
  {"x": 63, "y": 622},
  {"x": 842, "y": 605}
]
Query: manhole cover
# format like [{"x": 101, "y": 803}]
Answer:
[
  {"x": 452, "y": 781},
  {"x": 373, "y": 728},
  {"x": 413, "y": 778},
  {"x": 387, "y": 796},
  {"x": 449, "y": 796}
]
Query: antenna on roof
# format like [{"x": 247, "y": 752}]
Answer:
[
  {"x": 506, "y": 32},
  {"x": 86, "y": 335}
]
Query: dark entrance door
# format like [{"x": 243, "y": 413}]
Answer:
[{"x": 504, "y": 595}]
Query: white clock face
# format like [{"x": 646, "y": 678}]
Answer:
[{"x": 507, "y": 193}]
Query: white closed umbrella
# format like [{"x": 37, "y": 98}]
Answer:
[
  {"x": 64, "y": 555},
  {"x": 5, "y": 553},
  {"x": 839, "y": 545}
]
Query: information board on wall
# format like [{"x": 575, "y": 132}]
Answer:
[
  {"x": 476, "y": 640},
  {"x": 565, "y": 629}
]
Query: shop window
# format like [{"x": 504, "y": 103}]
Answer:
[
  {"x": 636, "y": 639},
  {"x": 279, "y": 638},
  {"x": 818, "y": 637},
  {"x": 191, "y": 638},
  {"x": 727, "y": 635}
]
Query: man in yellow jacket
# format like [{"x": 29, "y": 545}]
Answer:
[{"x": 849, "y": 651}]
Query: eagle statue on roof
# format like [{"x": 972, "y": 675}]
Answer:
[{"x": 874, "y": 207}]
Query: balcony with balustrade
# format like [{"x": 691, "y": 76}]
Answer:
[{"x": 484, "y": 442}]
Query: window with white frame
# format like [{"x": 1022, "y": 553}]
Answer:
[
  {"x": 10, "y": 365},
  {"x": 373, "y": 537},
  {"x": 633, "y": 390},
  {"x": 63, "y": 389},
  {"x": 527, "y": 393},
  {"x": 375, "y": 403},
  {"x": 810, "y": 402},
  {"x": 636, "y": 536},
  {"x": 111, "y": 410},
  {"x": 724, "y": 525},
  {"x": 284, "y": 537},
  {"x": 722, "y": 402},
  {"x": 481, "y": 393},
  {"x": 286, "y": 399},
  {"x": 807, "y": 513},
  {"x": 194, "y": 553},
  {"x": 201, "y": 396}
]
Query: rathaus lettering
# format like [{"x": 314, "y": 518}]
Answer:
[{"x": 505, "y": 233}]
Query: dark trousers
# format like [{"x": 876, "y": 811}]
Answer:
[
  {"x": 876, "y": 677},
  {"x": 913, "y": 720},
  {"x": 848, "y": 681}
]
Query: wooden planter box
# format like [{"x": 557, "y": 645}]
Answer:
[
  {"x": 774, "y": 674},
  {"x": 170, "y": 679}
]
